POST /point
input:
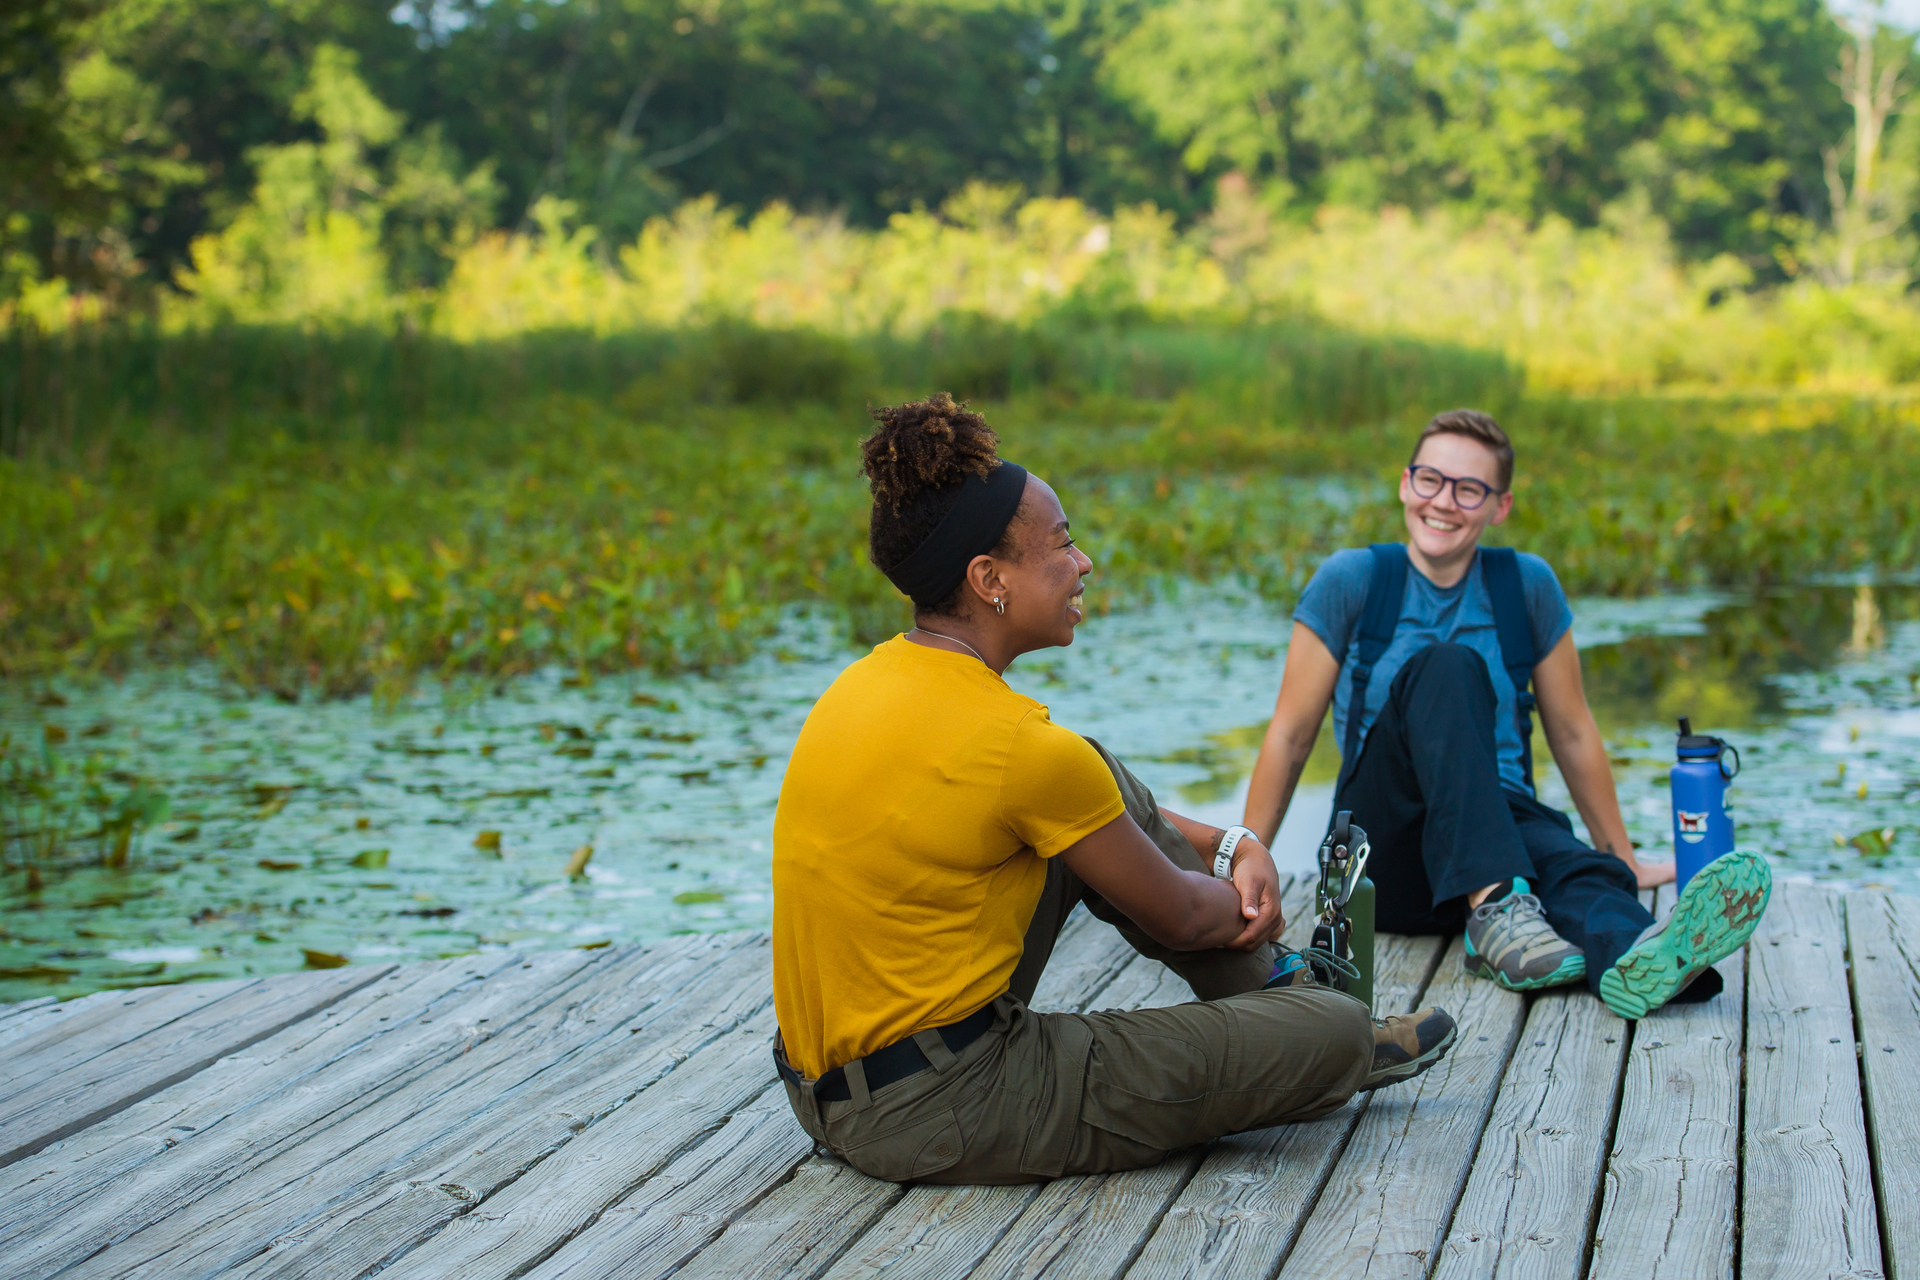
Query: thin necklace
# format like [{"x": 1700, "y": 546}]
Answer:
[{"x": 957, "y": 640}]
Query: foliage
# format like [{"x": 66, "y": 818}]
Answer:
[
  {"x": 47, "y": 796},
  {"x": 675, "y": 529},
  {"x": 137, "y": 129}
]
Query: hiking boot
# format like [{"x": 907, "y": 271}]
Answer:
[
  {"x": 1510, "y": 942},
  {"x": 1406, "y": 1044},
  {"x": 1713, "y": 918}
]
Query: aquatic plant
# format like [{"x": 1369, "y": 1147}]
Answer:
[
  {"x": 669, "y": 526},
  {"x": 57, "y": 806}
]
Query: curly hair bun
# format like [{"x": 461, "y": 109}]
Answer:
[{"x": 925, "y": 446}]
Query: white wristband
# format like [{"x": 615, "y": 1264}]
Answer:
[{"x": 1229, "y": 841}]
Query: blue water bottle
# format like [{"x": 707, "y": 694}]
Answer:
[{"x": 1702, "y": 827}]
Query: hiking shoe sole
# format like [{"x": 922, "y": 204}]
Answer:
[
  {"x": 1572, "y": 969},
  {"x": 1714, "y": 917}
]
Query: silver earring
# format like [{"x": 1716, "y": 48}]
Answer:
[{"x": 998, "y": 605}]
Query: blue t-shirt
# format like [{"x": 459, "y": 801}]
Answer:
[{"x": 1331, "y": 607}]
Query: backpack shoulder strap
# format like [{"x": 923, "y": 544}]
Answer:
[
  {"x": 1386, "y": 593},
  {"x": 1500, "y": 568}
]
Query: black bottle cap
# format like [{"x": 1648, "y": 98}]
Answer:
[{"x": 1691, "y": 741}]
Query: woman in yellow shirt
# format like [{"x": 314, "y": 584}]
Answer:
[{"x": 935, "y": 829}]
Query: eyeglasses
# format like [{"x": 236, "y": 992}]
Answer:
[{"x": 1468, "y": 493}]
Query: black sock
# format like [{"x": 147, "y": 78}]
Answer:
[
  {"x": 1705, "y": 986},
  {"x": 1501, "y": 890}
]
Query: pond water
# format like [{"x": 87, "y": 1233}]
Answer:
[{"x": 330, "y": 832}]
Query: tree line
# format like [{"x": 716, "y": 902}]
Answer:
[{"x": 1767, "y": 132}]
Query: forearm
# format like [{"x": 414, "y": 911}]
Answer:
[
  {"x": 1583, "y": 763},
  {"x": 1214, "y": 918},
  {"x": 1204, "y": 838},
  {"x": 1276, "y": 774}
]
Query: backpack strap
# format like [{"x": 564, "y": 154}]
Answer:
[
  {"x": 1386, "y": 594},
  {"x": 1500, "y": 569}
]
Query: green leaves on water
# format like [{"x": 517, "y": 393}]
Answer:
[
  {"x": 279, "y": 864},
  {"x": 489, "y": 842},
  {"x": 1873, "y": 843},
  {"x": 370, "y": 859},
  {"x": 693, "y": 897},
  {"x": 324, "y": 959}
]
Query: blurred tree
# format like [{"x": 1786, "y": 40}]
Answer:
[{"x": 1869, "y": 203}]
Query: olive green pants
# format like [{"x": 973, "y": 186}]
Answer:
[{"x": 1040, "y": 1095}]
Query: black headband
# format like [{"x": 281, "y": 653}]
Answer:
[{"x": 979, "y": 515}]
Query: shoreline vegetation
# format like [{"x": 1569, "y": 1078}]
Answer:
[{"x": 347, "y": 511}]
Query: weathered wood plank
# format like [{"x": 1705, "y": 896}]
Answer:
[
  {"x": 1883, "y": 934},
  {"x": 1243, "y": 1208},
  {"x": 671, "y": 1216},
  {"x": 1672, "y": 1177},
  {"x": 63, "y": 1034},
  {"x": 89, "y": 1088},
  {"x": 446, "y": 1138},
  {"x": 513, "y": 1227},
  {"x": 206, "y": 1136},
  {"x": 1806, "y": 1193},
  {"x": 1530, "y": 1198},
  {"x": 1386, "y": 1207},
  {"x": 799, "y": 1229}
]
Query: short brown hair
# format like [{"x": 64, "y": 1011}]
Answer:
[{"x": 1474, "y": 425}]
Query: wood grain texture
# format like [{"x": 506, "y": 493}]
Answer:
[
  {"x": 60, "y": 1088},
  {"x": 1883, "y": 938},
  {"x": 312, "y": 1151},
  {"x": 1530, "y": 1199},
  {"x": 574, "y": 1187},
  {"x": 43, "y": 1196},
  {"x": 1671, "y": 1193},
  {"x": 799, "y": 1229},
  {"x": 452, "y": 1140},
  {"x": 670, "y": 1216},
  {"x": 1385, "y": 1208},
  {"x": 203, "y": 1141},
  {"x": 1807, "y": 1202}
]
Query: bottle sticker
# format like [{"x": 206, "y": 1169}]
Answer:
[{"x": 1693, "y": 826}]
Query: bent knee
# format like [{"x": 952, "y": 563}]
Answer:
[{"x": 1344, "y": 1028}]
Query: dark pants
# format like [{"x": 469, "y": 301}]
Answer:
[{"x": 1427, "y": 790}]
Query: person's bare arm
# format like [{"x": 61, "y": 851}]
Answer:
[
  {"x": 1582, "y": 756},
  {"x": 1184, "y": 910},
  {"x": 1306, "y": 690},
  {"x": 1254, "y": 875}
]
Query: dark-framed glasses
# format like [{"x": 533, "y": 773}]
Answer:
[{"x": 1468, "y": 492}]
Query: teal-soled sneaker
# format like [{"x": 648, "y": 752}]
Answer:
[
  {"x": 1715, "y": 915},
  {"x": 1510, "y": 942}
]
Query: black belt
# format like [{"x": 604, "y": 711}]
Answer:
[{"x": 897, "y": 1061}]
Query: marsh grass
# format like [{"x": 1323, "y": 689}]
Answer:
[{"x": 332, "y": 515}]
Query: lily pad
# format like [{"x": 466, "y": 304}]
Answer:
[
  {"x": 694, "y": 896},
  {"x": 324, "y": 959},
  {"x": 279, "y": 864},
  {"x": 371, "y": 859},
  {"x": 488, "y": 842},
  {"x": 1874, "y": 843}
]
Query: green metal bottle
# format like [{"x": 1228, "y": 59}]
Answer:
[{"x": 1360, "y": 912}]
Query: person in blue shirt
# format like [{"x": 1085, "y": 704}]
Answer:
[{"x": 1436, "y": 755}]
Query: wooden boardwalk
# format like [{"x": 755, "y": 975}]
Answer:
[{"x": 615, "y": 1113}]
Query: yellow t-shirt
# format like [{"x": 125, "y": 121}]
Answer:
[{"x": 921, "y": 799}]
